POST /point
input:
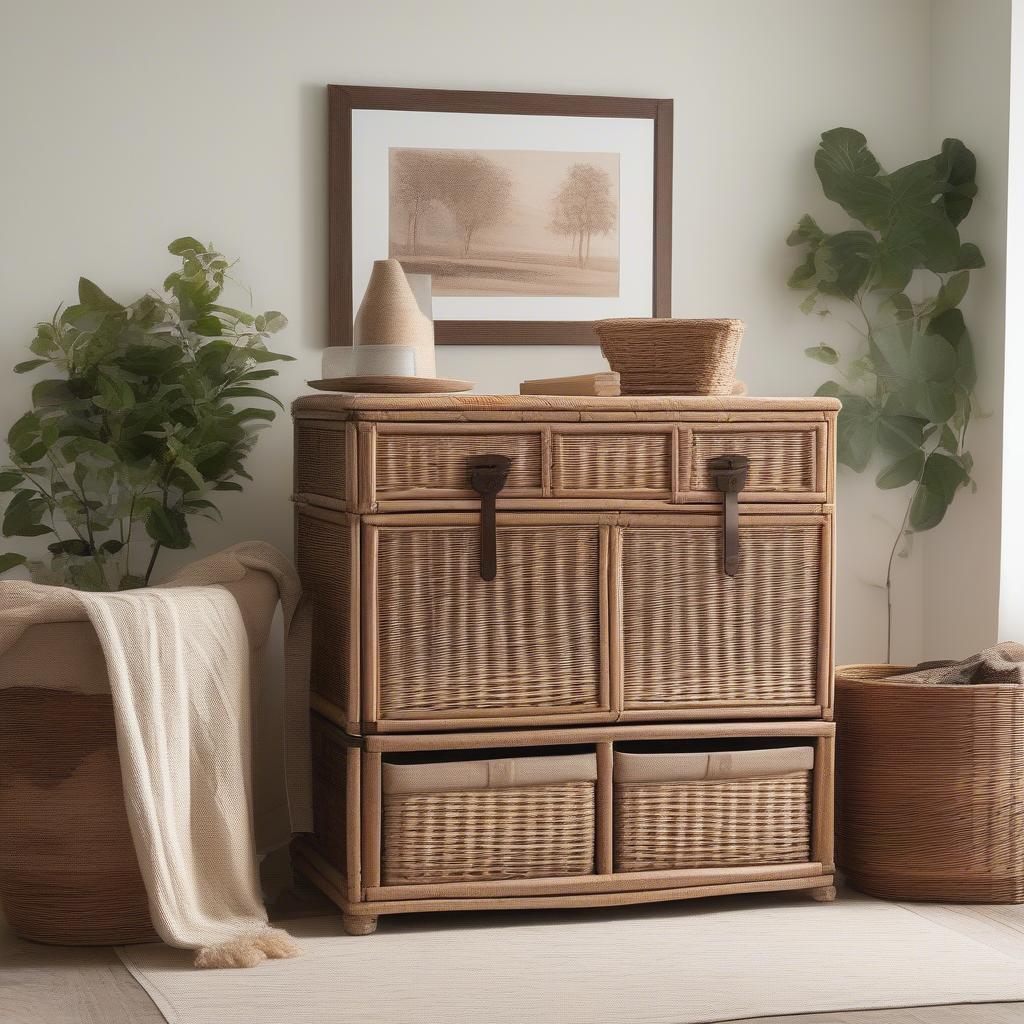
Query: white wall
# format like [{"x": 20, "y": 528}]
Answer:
[
  {"x": 1011, "y": 596},
  {"x": 125, "y": 124},
  {"x": 970, "y": 99}
]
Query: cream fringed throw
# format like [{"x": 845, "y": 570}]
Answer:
[{"x": 177, "y": 661}]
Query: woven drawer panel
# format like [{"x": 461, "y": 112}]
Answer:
[
  {"x": 319, "y": 460},
  {"x": 780, "y": 460},
  {"x": 323, "y": 554},
  {"x": 480, "y": 835},
  {"x": 665, "y": 825},
  {"x": 693, "y": 634},
  {"x": 613, "y": 462},
  {"x": 448, "y": 640},
  {"x": 408, "y": 462},
  {"x": 329, "y": 811}
]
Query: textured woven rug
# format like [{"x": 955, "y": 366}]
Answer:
[{"x": 679, "y": 963}]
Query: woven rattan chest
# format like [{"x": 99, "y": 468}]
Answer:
[{"x": 609, "y": 683}]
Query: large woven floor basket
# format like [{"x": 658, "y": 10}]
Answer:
[
  {"x": 68, "y": 870},
  {"x": 663, "y": 356},
  {"x": 930, "y": 788}
]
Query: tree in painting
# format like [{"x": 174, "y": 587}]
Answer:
[
  {"x": 583, "y": 207},
  {"x": 476, "y": 192},
  {"x": 415, "y": 187}
]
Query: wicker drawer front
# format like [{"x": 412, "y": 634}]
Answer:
[
  {"x": 448, "y": 644},
  {"x": 434, "y": 465},
  {"x": 631, "y": 464},
  {"x": 678, "y": 811},
  {"x": 444, "y": 823},
  {"x": 692, "y": 635},
  {"x": 786, "y": 459}
]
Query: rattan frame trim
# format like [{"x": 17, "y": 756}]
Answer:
[{"x": 318, "y": 871}]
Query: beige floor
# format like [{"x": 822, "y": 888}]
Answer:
[{"x": 60, "y": 985}]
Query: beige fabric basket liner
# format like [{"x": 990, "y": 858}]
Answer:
[
  {"x": 726, "y": 764},
  {"x": 501, "y": 773}
]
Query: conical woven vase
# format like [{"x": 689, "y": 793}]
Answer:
[{"x": 390, "y": 315}]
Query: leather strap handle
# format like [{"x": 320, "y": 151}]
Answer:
[
  {"x": 487, "y": 476},
  {"x": 729, "y": 475}
]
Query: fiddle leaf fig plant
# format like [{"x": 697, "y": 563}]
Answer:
[
  {"x": 145, "y": 412},
  {"x": 902, "y": 270}
]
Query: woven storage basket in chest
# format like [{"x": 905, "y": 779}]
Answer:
[{"x": 507, "y": 589}]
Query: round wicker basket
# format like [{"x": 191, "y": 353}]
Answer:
[
  {"x": 672, "y": 357},
  {"x": 68, "y": 870},
  {"x": 930, "y": 788}
]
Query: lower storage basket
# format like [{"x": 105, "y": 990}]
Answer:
[
  {"x": 480, "y": 820},
  {"x": 723, "y": 808},
  {"x": 929, "y": 788}
]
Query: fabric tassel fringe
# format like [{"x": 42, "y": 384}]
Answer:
[{"x": 249, "y": 950}]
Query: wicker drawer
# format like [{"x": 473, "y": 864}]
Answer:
[
  {"x": 485, "y": 820},
  {"x": 443, "y": 645},
  {"x": 693, "y": 637},
  {"x": 426, "y": 462},
  {"x": 669, "y": 462},
  {"x": 716, "y": 809},
  {"x": 788, "y": 461}
]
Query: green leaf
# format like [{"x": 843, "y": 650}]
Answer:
[
  {"x": 927, "y": 510},
  {"x": 843, "y": 262},
  {"x": 806, "y": 232},
  {"x": 847, "y": 169},
  {"x": 24, "y": 432},
  {"x": 10, "y": 560},
  {"x": 823, "y": 354},
  {"x": 857, "y": 433},
  {"x": 244, "y": 392},
  {"x": 902, "y": 471},
  {"x": 273, "y": 321},
  {"x": 970, "y": 257},
  {"x": 78, "y": 548},
  {"x": 899, "y": 434},
  {"x": 168, "y": 527},
  {"x": 23, "y": 517},
  {"x": 952, "y": 292},
  {"x": 93, "y": 297},
  {"x": 191, "y": 472},
  {"x": 943, "y": 474},
  {"x": 185, "y": 245},
  {"x": 10, "y": 478},
  {"x": 227, "y": 485},
  {"x": 957, "y": 165},
  {"x": 111, "y": 547},
  {"x": 29, "y": 364}
]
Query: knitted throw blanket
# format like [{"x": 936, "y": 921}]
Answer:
[
  {"x": 1003, "y": 663},
  {"x": 177, "y": 659}
]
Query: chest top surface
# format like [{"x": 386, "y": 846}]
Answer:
[{"x": 472, "y": 406}]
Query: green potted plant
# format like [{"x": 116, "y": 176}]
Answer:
[
  {"x": 147, "y": 410},
  {"x": 902, "y": 271}
]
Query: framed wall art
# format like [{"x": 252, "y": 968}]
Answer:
[{"x": 534, "y": 214}]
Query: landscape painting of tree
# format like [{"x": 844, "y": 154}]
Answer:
[{"x": 506, "y": 222}]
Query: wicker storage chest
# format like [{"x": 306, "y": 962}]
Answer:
[{"x": 652, "y": 570}]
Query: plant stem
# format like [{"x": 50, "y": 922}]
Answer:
[
  {"x": 888, "y": 578},
  {"x": 152, "y": 562}
]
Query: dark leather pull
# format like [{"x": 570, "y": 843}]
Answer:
[
  {"x": 487, "y": 476},
  {"x": 729, "y": 475}
]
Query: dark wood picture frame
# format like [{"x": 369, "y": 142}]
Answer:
[{"x": 343, "y": 99}]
